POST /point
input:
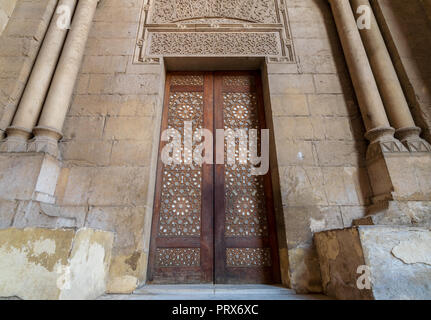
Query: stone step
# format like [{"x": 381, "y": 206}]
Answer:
[
  {"x": 186, "y": 297},
  {"x": 214, "y": 289},
  {"x": 213, "y": 292}
]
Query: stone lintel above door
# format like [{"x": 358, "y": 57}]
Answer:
[{"x": 214, "y": 28}]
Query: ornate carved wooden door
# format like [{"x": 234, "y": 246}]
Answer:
[
  {"x": 245, "y": 236},
  {"x": 181, "y": 248},
  {"x": 213, "y": 223}
]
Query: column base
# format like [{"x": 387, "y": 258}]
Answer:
[
  {"x": 399, "y": 179},
  {"x": 410, "y": 138},
  {"x": 45, "y": 140},
  {"x": 382, "y": 141},
  {"x": 16, "y": 140}
]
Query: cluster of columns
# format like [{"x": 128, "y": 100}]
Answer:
[
  {"x": 383, "y": 105},
  {"x": 48, "y": 93}
]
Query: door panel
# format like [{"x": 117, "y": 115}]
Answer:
[
  {"x": 245, "y": 243},
  {"x": 213, "y": 223},
  {"x": 181, "y": 248}
]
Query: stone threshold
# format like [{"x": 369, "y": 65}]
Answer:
[{"x": 213, "y": 292}]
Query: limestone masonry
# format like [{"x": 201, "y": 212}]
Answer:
[{"x": 349, "y": 114}]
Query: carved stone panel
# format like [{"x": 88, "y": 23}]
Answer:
[
  {"x": 209, "y": 28},
  {"x": 168, "y": 11}
]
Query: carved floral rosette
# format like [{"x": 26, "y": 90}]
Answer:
[{"x": 214, "y": 28}]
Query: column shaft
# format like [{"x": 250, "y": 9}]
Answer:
[
  {"x": 370, "y": 102},
  {"x": 392, "y": 94},
  {"x": 35, "y": 92},
  {"x": 395, "y": 102},
  {"x": 61, "y": 90}
]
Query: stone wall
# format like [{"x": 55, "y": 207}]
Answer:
[
  {"x": 109, "y": 149},
  {"x": 109, "y": 137},
  {"x": 319, "y": 139},
  {"x": 6, "y": 9}
]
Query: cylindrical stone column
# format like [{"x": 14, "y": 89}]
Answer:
[
  {"x": 48, "y": 131},
  {"x": 371, "y": 104},
  {"x": 395, "y": 102},
  {"x": 37, "y": 86}
]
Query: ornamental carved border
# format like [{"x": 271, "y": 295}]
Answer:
[{"x": 214, "y": 28}]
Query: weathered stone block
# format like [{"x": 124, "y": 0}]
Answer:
[
  {"x": 291, "y": 83},
  {"x": 303, "y": 222},
  {"x": 83, "y": 128},
  {"x": 131, "y": 153},
  {"x": 77, "y": 183},
  {"x": 294, "y": 152},
  {"x": 123, "y": 84},
  {"x": 131, "y": 128},
  {"x": 341, "y": 153},
  {"x": 346, "y": 185},
  {"x": 351, "y": 213},
  {"x": 54, "y": 264},
  {"x": 328, "y": 83},
  {"x": 401, "y": 176},
  {"x": 287, "y": 128},
  {"x": 126, "y": 222},
  {"x": 289, "y": 105},
  {"x": 338, "y": 128},
  {"x": 93, "y": 152},
  {"x": 42, "y": 215},
  {"x": 405, "y": 213},
  {"x": 28, "y": 176},
  {"x": 104, "y": 64},
  {"x": 331, "y": 105},
  {"x": 127, "y": 272},
  {"x": 19, "y": 175},
  {"x": 7, "y": 213},
  {"x": 119, "y": 186},
  {"x": 114, "y": 105},
  {"x": 394, "y": 262},
  {"x": 304, "y": 270},
  {"x": 302, "y": 186}
]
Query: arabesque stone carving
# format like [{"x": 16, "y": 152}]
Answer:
[{"x": 214, "y": 28}]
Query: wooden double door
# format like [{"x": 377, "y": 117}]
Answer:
[{"x": 213, "y": 222}]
